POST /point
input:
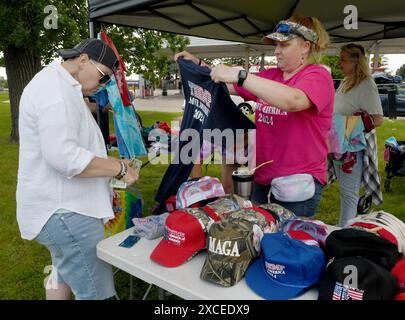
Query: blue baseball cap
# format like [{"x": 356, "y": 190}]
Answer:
[{"x": 285, "y": 268}]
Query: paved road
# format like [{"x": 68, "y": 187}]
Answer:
[{"x": 173, "y": 102}]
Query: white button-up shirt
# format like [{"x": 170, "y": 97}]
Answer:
[{"x": 58, "y": 139}]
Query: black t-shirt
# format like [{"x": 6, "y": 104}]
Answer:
[{"x": 208, "y": 106}]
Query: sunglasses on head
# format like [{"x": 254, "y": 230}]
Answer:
[
  {"x": 297, "y": 29},
  {"x": 105, "y": 78},
  {"x": 286, "y": 28}
]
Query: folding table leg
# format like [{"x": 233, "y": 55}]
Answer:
[
  {"x": 161, "y": 294},
  {"x": 147, "y": 292},
  {"x": 131, "y": 287}
]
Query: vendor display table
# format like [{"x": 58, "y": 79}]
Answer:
[{"x": 183, "y": 281}]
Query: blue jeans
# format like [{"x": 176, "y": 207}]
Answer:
[
  {"x": 349, "y": 189},
  {"x": 71, "y": 238},
  {"x": 305, "y": 208}
]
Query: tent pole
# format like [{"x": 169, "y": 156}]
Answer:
[
  {"x": 247, "y": 58},
  {"x": 91, "y": 29},
  {"x": 262, "y": 62},
  {"x": 102, "y": 117},
  {"x": 376, "y": 55}
]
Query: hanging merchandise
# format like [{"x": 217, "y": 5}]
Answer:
[
  {"x": 346, "y": 135},
  {"x": 120, "y": 73},
  {"x": 127, "y": 205},
  {"x": 208, "y": 106},
  {"x": 129, "y": 138}
]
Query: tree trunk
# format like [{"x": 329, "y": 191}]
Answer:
[{"x": 21, "y": 66}]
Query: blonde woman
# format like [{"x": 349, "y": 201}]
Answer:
[
  {"x": 293, "y": 114},
  {"x": 357, "y": 92}
]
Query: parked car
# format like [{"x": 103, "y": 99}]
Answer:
[
  {"x": 246, "y": 107},
  {"x": 400, "y": 97},
  {"x": 384, "y": 84}
]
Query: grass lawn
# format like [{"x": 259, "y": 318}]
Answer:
[{"x": 22, "y": 262}]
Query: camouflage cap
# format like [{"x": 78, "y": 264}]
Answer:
[
  {"x": 230, "y": 252},
  {"x": 287, "y": 30},
  {"x": 200, "y": 215},
  {"x": 222, "y": 207},
  {"x": 264, "y": 220},
  {"x": 282, "y": 214}
]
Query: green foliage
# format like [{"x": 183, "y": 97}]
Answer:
[
  {"x": 382, "y": 61},
  {"x": 333, "y": 63},
  {"x": 22, "y": 25},
  {"x": 3, "y": 83},
  {"x": 234, "y": 61},
  {"x": 143, "y": 53}
]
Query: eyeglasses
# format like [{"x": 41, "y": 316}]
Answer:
[{"x": 105, "y": 78}]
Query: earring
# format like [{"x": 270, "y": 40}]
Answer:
[{"x": 302, "y": 58}]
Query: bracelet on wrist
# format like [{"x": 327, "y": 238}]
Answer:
[{"x": 123, "y": 170}]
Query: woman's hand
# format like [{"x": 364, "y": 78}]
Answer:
[
  {"x": 222, "y": 73},
  {"x": 131, "y": 176},
  {"x": 186, "y": 55}
]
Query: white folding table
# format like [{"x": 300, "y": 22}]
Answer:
[{"x": 183, "y": 281}]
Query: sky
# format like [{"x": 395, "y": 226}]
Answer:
[{"x": 394, "y": 62}]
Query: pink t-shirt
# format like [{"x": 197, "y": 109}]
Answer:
[{"x": 296, "y": 141}]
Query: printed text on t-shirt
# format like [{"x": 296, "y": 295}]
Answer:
[
  {"x": 200, "y": 98},
  {"x": 265, "y": 112}
]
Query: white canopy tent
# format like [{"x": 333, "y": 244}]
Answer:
[{"x": 208, "y": 48}]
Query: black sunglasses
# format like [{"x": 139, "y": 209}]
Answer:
[{"x": 105, "y": 78}]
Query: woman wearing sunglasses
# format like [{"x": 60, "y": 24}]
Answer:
[
  {"x": 293, "y": 115},
  {"x": 63, "y": 191}
]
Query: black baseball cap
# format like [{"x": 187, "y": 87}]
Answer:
[
  {"x": 96, "y": 49},
  {"x": 351, "y": 242},
  {"x": 356, "y": 278}
]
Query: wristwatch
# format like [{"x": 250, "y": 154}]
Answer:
[{"x": 242, "y": 75}]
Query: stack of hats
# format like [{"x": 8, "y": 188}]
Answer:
[
  {"x": 359, "y": 268},
  {"x": 287, "y": 267},
  {"x": 185, "y": 231},
  {"x": 385, "y": 224}
]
